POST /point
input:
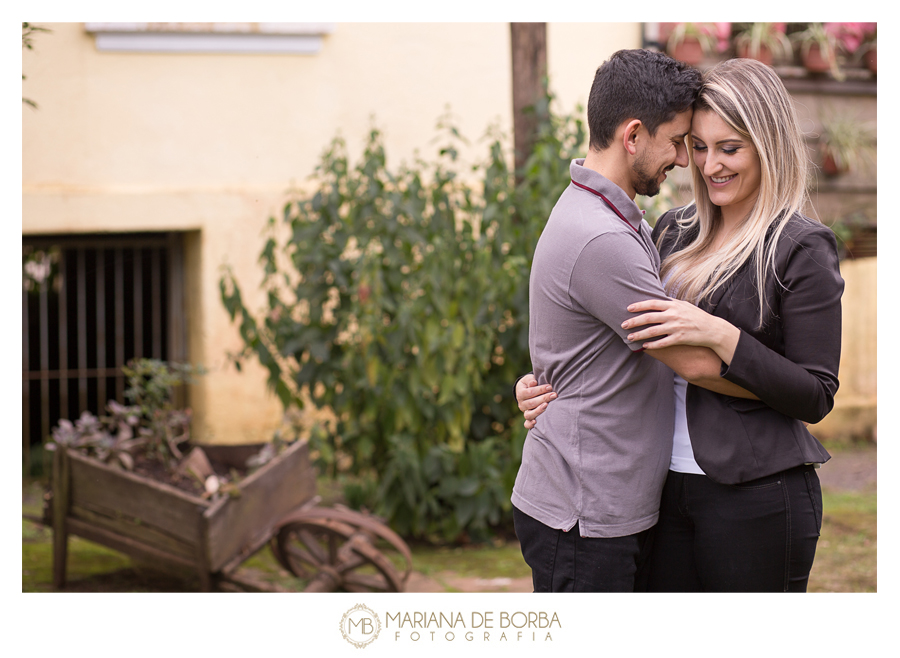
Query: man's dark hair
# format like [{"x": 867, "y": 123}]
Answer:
[{"x": 638, "y": 84}]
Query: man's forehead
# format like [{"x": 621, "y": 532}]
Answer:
[{"x": 680, "y": 125}]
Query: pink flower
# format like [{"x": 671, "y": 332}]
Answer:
[
  {"x": 851, "y": 35},
  {"x": 723, "y": 36}
]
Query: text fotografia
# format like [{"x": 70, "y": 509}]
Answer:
[{"x": 479, "y": 626}]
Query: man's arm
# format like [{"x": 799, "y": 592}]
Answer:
[{"x": 613, "y": 272}]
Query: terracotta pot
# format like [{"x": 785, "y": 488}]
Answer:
[
  {"x": 814, "y": 61},
  {"x": 689, "y": 51},
  {"x": 830, "y": 166},
  {"x": 871, "y": 57},
  {"x": 764, "y": 55}
]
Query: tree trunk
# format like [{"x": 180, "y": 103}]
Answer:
[{"x": 529, "y": 68}]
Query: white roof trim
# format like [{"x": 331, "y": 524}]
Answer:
[
  {"x": 228, "y": 28},
  {"x": 268, "y": 38}
]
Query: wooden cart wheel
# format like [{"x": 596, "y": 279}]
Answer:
[{"x": 339, "y": 549}]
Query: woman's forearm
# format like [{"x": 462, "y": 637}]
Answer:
[{"x": 723, "y": 340}]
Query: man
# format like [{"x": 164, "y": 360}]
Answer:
[{"x": 587, "y": 493}]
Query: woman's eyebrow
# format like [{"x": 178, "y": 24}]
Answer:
[{"x": 721, "y": 141}]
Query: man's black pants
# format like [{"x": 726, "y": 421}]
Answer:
[{"x": 563, "y": 561}]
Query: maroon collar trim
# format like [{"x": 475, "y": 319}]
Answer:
[{"x": 609, "y": 203}]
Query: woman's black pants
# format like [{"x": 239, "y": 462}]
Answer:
[{"x": 758, "y": 536}]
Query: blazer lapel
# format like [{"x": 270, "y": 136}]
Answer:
[{"x": 713, "y": 303}]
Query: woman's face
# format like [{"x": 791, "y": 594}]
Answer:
[{"x": 729, "y": 164}]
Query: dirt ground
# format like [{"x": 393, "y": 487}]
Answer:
[
  {"x": 847, "y": 470},
  {"x": 850, "y": 470}
]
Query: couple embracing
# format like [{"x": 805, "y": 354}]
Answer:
[{"x": 675, "y": 370}]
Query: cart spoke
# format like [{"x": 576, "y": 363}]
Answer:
[
  {"x": 339, "y": 549},
  {"x": 333, "y": 549},
  {"x": 302, "y": 556},
  {"x": 311, "y": 542},
  {"x": 361, "y": 582},
  {"x": 354, "y": 561}
]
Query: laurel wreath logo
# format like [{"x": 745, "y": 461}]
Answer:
[{"x": 360, "y": 626}]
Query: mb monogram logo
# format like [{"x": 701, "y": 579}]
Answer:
[{"x": 360, "y": 626}]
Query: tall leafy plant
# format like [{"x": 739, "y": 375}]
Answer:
[{"x": 397, "y": 298}]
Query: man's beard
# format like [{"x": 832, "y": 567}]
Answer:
[{"x": 645, "y": 184}]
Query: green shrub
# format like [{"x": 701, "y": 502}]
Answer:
[{"x": 399, "y": 300}]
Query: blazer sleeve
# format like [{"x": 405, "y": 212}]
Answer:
[{"x": 800, "y": 383}]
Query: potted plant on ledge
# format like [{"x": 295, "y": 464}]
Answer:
[
  {"x": 765, "y": 42},
  {"x": 691, "y": 42},
  {"x": 857, "y": 235},
  {"x": 846, "y": 143},
  {"x": 819, "y": 49},
  {"x": 869, "y": 51}
]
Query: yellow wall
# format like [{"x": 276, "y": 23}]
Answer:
[
  {"x": 855, "y": 406},
  {"x": 208, "y": 143}
]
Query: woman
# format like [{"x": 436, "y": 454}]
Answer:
[{"x": 757, "y": 282}]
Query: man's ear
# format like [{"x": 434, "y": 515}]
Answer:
[{"x": 630, "y": 135}]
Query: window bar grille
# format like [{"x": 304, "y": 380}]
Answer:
[
  {"x": 84, "y": 305},
  {"x": 82, "y": 331},
  {"x": 120, "y": 319},
  {"x": 43, "y": 315},
  {"x": 138, "y": 305},
  {"x": 63, "y": 339},
  {"x": 101, "y": 329},
  {"x": 176, "y": 340},
  {"x": 156, "y": 297},
  {"x": 26, "y": 384}
]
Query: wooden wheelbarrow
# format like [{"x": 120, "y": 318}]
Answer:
[{"x": 331, "y": 549}]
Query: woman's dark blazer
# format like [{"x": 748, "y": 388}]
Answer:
[{"x": 791, "y": 363}]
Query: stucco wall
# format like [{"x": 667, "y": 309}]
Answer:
[{"x": 208, "y": 143}]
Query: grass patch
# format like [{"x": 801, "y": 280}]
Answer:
[
  {"x": 846, "y": 557},
  {"x": 94, "y": 568},
  {"x": 486, "y": 561},
  {"x": 847, "y": 444}
]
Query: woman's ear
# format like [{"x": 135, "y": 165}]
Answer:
[{"x": 630, "y": 135}]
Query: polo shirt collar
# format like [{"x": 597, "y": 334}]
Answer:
[{"x": 613, "y": 193}]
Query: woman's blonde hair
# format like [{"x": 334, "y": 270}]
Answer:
[{"x": 751, "y": 99}]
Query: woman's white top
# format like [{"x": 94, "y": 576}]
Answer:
[{"x": 682, "y": 454}]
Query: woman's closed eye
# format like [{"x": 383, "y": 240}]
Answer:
[{"x": 730, "y": 150}]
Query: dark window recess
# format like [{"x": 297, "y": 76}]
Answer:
[{"x": 89, "y": 304}]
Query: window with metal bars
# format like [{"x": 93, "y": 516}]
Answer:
[{"x": 90, "y": 303}]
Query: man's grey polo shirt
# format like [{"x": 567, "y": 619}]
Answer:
[{"x": 599, "y": 454}]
